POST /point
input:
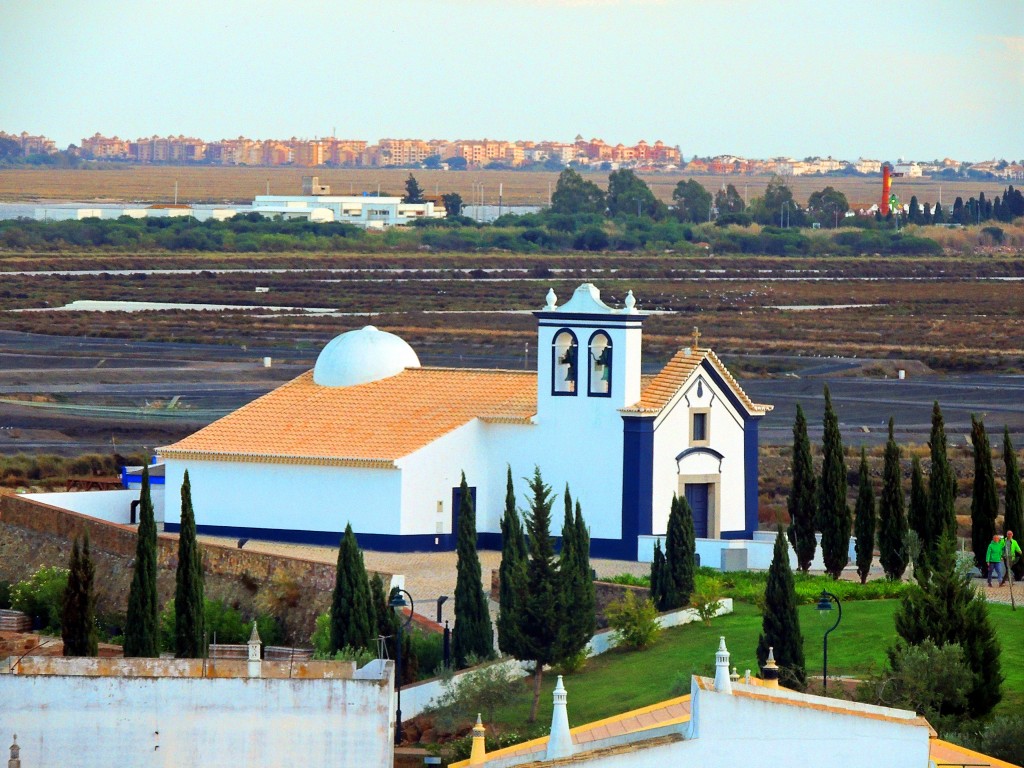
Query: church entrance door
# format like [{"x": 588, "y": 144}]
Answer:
[{"x": 697, "y": 497}]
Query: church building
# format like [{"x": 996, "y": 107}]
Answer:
[{"x": 372, "y": 438}]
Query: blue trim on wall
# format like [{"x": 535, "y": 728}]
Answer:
[
  {"x": 637, "y": 484},
  {"x": 750, "y": 458},
  {"x": 735, "y": 535},
  {"x": 612, "y": 320}
]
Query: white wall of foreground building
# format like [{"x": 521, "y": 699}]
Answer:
[{"x": 102, "y": 720}]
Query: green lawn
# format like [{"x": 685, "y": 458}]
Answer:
[{"x": 622, "y": 680}]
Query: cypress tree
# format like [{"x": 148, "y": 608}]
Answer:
[
  {"x": 577, "y": 588},
  {"x": 511, "y": 576},
  {"x": 945, "y": 608},
  {"x": 189, "y": 602},
  {"x": 780, "y": 624},
  {"x": 78, "y": 614},
  {"x": 892, "y": 519},
  {"x": 658, "y": 577},
  {"x": 385, "y": 619},
  {"x": 865, "y": 523},
  {"x": 680, "y": 545},
  {"x": 938, "y": 217},
  {"x": 1013, "y": 516},
  {"x": 141, "y": 628},
  {"x": 540, "y": 606},
  {"x": 802, "y": 503},
  {"x": 918, "y": 517},
  {"x": 473, "y": 632},
  {"x": 353, "y": 618},
  {"x": 833, "y": 511},
  {"x": 941, "y": 484},
  {"x": 984, "y": 502}
]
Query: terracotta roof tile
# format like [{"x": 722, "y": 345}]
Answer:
[
  {"x": 366, "y": 424},
  {"x": 658, "y": 392}
]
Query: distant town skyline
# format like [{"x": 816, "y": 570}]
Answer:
[{"x": 795, "y": 78}]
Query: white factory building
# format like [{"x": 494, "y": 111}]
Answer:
[
  {"x": 367, "y": 212},
  {"x": 372, "y": 438}
]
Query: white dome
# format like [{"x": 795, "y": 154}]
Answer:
[{"x": 357, "y": 357}]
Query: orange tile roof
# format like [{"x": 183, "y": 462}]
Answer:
[
  {"x": 658, "y": 392},
  {"x": 370, "y": 424}
]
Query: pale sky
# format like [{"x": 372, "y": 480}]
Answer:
[{"x": 909, "y": 79}]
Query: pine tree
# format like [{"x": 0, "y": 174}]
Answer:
[
  {"x": 802, "y": 503},
  {"x": 984, "y": 502},
  {"x": 865, "y": 522},
  {"x": 833, "y": 511},
  {"x": 576, "y": 605},
  {"x": 780, "y": 624},
  {"x": 917, "y": 516},
  {"x": 78, "y": 614},
  {"x": 1013, "y": 515},
  {"x": 680, "y": 546},
  {"x": 941, "y": 485},
  {"x": 473, "y": 634},
  {"x": 141, "y": 628},
  {"x": 413, "y": 191},
  {"x": 945, "y": 608},
  {"x": 353, "y": 618},
  {"x": 189, "y": 602},
  {"x": 892, "y": 518},
  {"x": 658, "y": 577},
  {"x": 511, "y": 576},
  {"x": 540, "y": 606}
]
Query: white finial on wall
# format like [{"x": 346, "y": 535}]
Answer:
[
  {"x": 560, "y": 741},
  {"x": 630, "y": 303},
  {"x": 551, "y": 299},
  {"x": 722, "y": 682}
]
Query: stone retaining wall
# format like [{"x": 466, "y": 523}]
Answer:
[{"x": 34, "y": 534}]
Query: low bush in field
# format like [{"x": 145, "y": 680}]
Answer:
[{"x": 41, "y": 596}]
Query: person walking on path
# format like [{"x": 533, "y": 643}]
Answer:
[
  {"x": 994, "y": 558},
  {"x": 1012, "y": 553}
]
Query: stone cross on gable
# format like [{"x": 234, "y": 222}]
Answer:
[{"x": 696, "y": 337}]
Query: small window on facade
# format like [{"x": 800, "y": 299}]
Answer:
[
  {"x": 564, "y": 363},
  {"x": 700, "y": 427},
  {"x": 600, "y": 373}
]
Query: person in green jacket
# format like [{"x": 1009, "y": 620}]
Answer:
[
  {"x": 994, "y": 558},
  {"x": 1012, "y": 553}
]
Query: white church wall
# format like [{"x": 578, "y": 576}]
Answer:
[
  {"x": 147, "y": 722},
  {"x": 287, "y": 496},
  {"x": 726, "y": 435},
  {"x": 581, "y": 446},
  {"x": 430, "y": 474}
]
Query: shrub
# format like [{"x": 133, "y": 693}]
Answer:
[
  {"x": 5, "y": 594},
  {"x": 483, "y": 690},
  {"x": 41, "y": 596},
  {"x": 321, "y": 637},
  {"x": 998, "y": 738},
  {"x": 224, "y": 625},
  {"x": 574, "y": 662},
  {"x": 428, "y": 648},
  {"x": 634, "y": 621},
  {"x": 707, "y": 597}
]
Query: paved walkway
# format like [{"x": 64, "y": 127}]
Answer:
[{"x": 427, "y": 574}]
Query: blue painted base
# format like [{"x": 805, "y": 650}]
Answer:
[{"x": 613, "y": 549}]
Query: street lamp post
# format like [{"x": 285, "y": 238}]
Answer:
[
  {"x": 397, "y": 604},
  {"x": 824, "y": 607}
]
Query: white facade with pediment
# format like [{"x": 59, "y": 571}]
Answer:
[{"x": 623, "y": 444}]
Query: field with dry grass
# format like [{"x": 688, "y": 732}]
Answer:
[{"x": 217, "y": 185}]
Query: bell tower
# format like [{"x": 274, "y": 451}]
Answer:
[{"x": 588, "y": 356}]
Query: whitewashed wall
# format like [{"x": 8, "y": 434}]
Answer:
[
  {"x": 112, "y": 506},
  {"x": 672, "y": 437},
  {"x": 98, "y": 722},
  {"x": 287, "y": 496}
]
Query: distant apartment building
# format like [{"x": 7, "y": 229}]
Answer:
[
  {"x": 31, "y": 145},
  {"x": 911, "y": 170},
  {"x": 868, "y": 166},
  {"x": 99, "y": 147}
]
